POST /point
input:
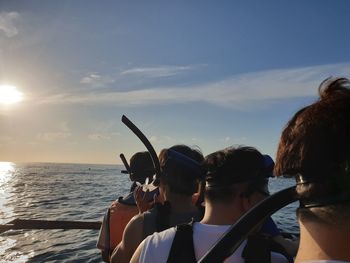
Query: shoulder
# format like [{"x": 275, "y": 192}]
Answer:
[
  {"x": 136, "y": 221},
  {"x": 161, "y": 237},
  {"x": 156, "y": 247}
]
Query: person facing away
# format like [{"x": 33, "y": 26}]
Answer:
[
  {"x": 181, "y": 172},
  {"x": 124, "y": 208},
  {"x": 235, "y": 182},
  {"x": 315, "y": 148}
]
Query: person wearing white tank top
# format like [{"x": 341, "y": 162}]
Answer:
[{"x": 236, "y": 180}]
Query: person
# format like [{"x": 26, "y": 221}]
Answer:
[
  {"x": 124, "y": 208},
  {"x": 315, "y": 148},
  {"x": 235, "y": 181},
  {"x": 181, "y": 172}
]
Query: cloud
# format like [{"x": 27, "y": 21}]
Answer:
[
  {"x": 157, "y": 72},
  {"x": 53, "y": 136},
  {"x": 244, "y": 91},
  {"x": 90, "y": 78},
  {"x": 7, "y": 23},
  {"x": 96, "y": 80},
  {"x": 98, "y": 137}
]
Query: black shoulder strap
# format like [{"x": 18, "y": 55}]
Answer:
[
  {"x": 259, "y": 248},
  {"x": 256, "y": 250},
  {"x": 182, "y": 249},
  {"x": 163, "y": 216}
]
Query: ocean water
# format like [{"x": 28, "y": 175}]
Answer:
[{"x": 71, "y": 192}]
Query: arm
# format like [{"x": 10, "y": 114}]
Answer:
[
  {"x": 290, "y": 245},
  {"x": 270, "y": 228},
  {"x": 136, "y": 257},
  {"x": 132, "y": 237}
]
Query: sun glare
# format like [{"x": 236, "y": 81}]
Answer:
[
  {"x": 6, "y": 170},
  {"x": 9, "y": 94}
]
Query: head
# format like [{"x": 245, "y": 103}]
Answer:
[
  {"x": 141, "y": 167},
  {"x": 315, "y": 148},
  {"x": 181, "y": 169},
  {"x": 234, "y": 173}
]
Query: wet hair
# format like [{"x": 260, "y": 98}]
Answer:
[
  {"x": 141, "y": 166},
  {"x": 232, "y": 169},
  {"x": 315, "y": 147},
  {"x": 178, "y": 169}
]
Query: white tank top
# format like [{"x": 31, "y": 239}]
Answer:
[{"x": 157, "y": 246}]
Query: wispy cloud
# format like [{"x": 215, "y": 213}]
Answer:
[
  {"x": 98, "y": 137},
  {"x": 53, "y": 136},
  {"x": 90, "y": 78},
  {"x": 62, "y": 132},
  {"x": 239, "y": 91},
  {"x": 7, "y": 23},
  {"x": 157, "y": 72},
  {"x": 96, "y": 80}
]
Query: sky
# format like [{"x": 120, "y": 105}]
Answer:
[{"x": 210, "y": 74}]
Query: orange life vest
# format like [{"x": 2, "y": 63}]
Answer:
[{"x": 120, "y": 215}]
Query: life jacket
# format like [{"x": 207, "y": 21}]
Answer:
[
  {"x": 257, "y": 250},
  {"x": 119, "y": 216}
]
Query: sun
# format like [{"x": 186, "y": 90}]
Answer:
[{"x": 10, "y": 94}]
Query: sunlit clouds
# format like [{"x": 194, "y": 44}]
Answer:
[{"x": 256, "y": 89}]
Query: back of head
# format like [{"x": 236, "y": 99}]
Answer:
[
  {"x": 181, "y": 168},
  {"x": 234, "y": 168},
  {"x": 315, "y": 147},
  {"x": 141, "y": 167}
]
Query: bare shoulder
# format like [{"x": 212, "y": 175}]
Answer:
[{"x": 135, "y": 223}]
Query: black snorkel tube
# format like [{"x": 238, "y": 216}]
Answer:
[
  {"x": 126, "y": 165},
  {"x": 238, "y": 232},
  {"x": 147, "y": 144}
]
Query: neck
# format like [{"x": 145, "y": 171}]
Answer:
[
  {"x": 323, "y": 242},
  {"x": 221, "y": 214},
  {"x": 180, "y": 203}
]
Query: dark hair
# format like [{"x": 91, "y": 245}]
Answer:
[
  {"x": 141, "y": 167},
  {"x": 315, "y": 146},
  {"x": 229, "y": 167},
  {"x": 180, "y": 178}
]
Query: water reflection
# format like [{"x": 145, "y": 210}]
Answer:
[{"x": 7, "y": 170}]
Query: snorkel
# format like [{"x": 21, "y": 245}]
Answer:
[
  {"x": 172, "y": 155},
  {"x": 148, "y": 146}
]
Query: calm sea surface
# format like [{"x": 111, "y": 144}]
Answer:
[{"x": 71, "y": 192}]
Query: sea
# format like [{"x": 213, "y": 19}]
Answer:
[{"x": 83, "y": 192}]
